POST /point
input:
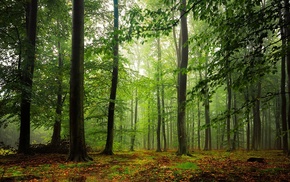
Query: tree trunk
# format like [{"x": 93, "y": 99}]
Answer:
[
  {"x": 287, "y": 57},
  {"x": 57, "y": 124},
  {"x": 198, "y": 125},
  {"x": 207, "y": 145},
  {"x": 27, "y": 77},
  {"x": 229, "y": 108},
  {"x": 78, "y": 150},
  {"x": 158, "y": 131},
  {"x": 159, "y": 120},
  {"x": 111, "y": 110},
  {"x": 182, "y": 84},
  {"x": 149, "y": 128},
  {"x": 256, "y": 139},
  {"x": 134, "y": 122},
  {"x": 235, "y": 143},
  {"x": 163, "y": 117},
  {"x": 278, "y": 141},
  {"x": 246, "y": 95},
  {"x": 283, "y": 31}
]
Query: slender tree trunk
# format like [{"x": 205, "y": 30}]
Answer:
[
  {"x": 207, "y": 145},
  {"x": 78, "y": 150},
  {"x": 198, "y": 125},
  {"x": 57, "y": 124},
  {"x": 193, "y": 134},
  {"x": 111, "y": 110},
  {"x": 284, "y": 107},
  {"x": 158, "y": 149},
  {"x": 172, "y": 143},
  {"x": 134, "y": 124},
  {"x": 182, "y": 84},
  {"x": 158, "y": 139},
  {"x": 248, "y": 128},
  {"x": 235, "y": 124},
  {"x": 163, "y": 117},
  {"x": 27, "y": 77},
  {"x": 149, "y": 130},
  {"x": 256, "y": 142},
  {"x": 206, "y": 139},
  {"x": 287, "y": 62},
  {"x": 229, "y": 108},
  {"x": 278, "y": 141},
  {"x": 283, "y": 31}
]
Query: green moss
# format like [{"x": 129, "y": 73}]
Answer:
[{"x": 187, "y": 165}]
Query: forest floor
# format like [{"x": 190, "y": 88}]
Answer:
[{"x": 149, "y": 166}]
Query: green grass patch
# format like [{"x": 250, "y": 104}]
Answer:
[
  {"x": 187, "y": 165},
  {"x": 272, "y": 170}
]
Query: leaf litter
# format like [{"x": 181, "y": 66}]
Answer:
[{"x": 148, "y": 166}]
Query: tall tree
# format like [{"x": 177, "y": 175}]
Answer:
[
  {"x": 159, "y": 110},
  {"x": 182, "y": 83},
  {"x": 283, "y": 79},
  {"x": 134, "y": 118},
  {"x": 256, "y": 139},
  {"x": 111, "y": 113},
  {"x": 207, "y": 142},
  {"x": 229, "y": 108},
  {"x": 287, "y": 55},
  {"x": 27, "y": 76},
  {"x": 57, "y": 124},
  {"x": 163, "y": 116},
  {"x": 78, "y": 150},
  {"x": 59, "y": 18}
]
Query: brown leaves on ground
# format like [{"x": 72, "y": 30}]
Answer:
[{"x": 148, "y": 166}]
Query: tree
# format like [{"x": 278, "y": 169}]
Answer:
[
  {"x": 229, "y": 108},
  {"x": 110, "y": 132},
  {"x": 163, "y": 117},
  {"x": 27, "y": 77},
  {"x": 78, "y": 150},
  {"x": 57, "y": 124},
  {"x": 182, "y": 83},
  {"x": 159, "y": 107},
  {"x": 285, "y": 32},
  {"x": 57, "y": 20},
  {"x": 256, "y": 139},
  {"x": 284, "y": 107},
  {"x": 207, "y": 141}
]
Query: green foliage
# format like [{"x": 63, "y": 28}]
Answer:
[
  {"x": 6, "y": 152},
  {"x": 146, "y": 23}
]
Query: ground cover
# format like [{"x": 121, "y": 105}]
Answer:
[{"x": 148, "y": 166}]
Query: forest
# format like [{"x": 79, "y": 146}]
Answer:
[{"x": 84, "y": 84}]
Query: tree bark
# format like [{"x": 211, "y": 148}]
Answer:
[
  {"x": 256, "y": 139},
  {"x": 149, "y": 126},
  {"x": 198, "y": 125},
  {"x": 159, "y": 119},
  {"x": 78, "y": 150},
  {"x": 57, "y": 124},
  {"x": 287, "y": 58},
  {"x": 134, "y": 121},
  {"x": 229, "y": 108},
  {"x": 246, "y": 95},
  {"x": 182, "y": 84},
  {"x": 278, "y": 141},
  {"x": 235, "y": 143},
  {"x": 111, "y": 113},
  {"x": 27, "y": 77},
  {"x": 163, "y": 116}
]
